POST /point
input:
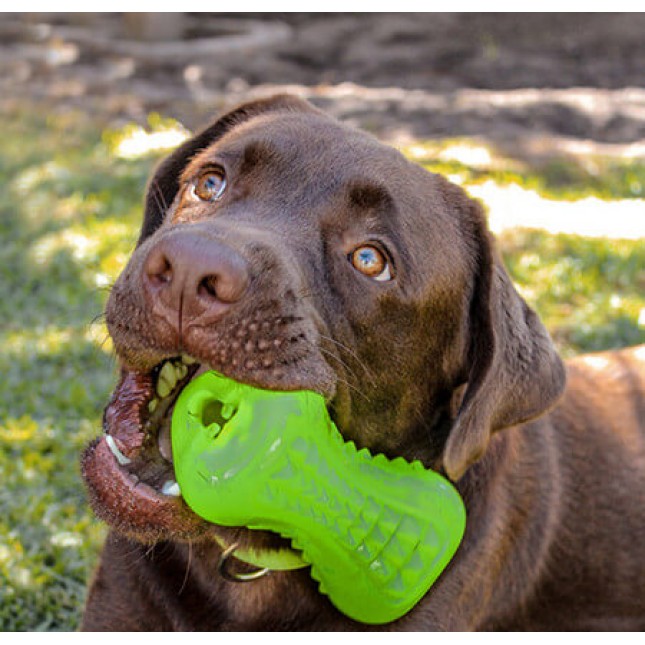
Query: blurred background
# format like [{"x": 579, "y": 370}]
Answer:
[{"x": 541, "y": 116}]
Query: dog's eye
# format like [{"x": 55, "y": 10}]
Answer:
[
  {"x": 371, "y": 262},
  {"x": 210, "y": 185}
]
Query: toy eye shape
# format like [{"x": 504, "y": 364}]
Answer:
[
  {"x": 210, "y": 185},
  {"x": 371, "y": 261}
]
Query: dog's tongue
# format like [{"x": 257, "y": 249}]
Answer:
[{"x": 377, "y": 533}]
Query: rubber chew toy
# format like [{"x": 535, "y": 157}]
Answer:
[{"x": 377, "y": 533}]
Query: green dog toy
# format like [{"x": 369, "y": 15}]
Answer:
[{"x": 376, "y": 532}]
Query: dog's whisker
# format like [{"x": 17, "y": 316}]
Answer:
[
  {"x": 187, "y": 572},
  {"x": 127, "y": 554},
  {"x": 157, "y": 193},
  {"x": 355, "y": 389},
  {"x": 341, "y": 345},
  {"x": 114, "y": 359},
  {"x": 105, "y": 340},
  {"x": 353, "y": 354},
  {"x": 338, "y": 359},
  {"x": 105, "y": 287},
  {"x": 98, "y": 319}
]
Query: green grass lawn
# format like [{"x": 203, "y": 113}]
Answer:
[{"x": 68, "y": 221}]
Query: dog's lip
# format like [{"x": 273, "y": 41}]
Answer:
[
  {"x": 120, "y": 498},
  {"x": 116, "y": 466},
  {"x": 135, "y": 508}
]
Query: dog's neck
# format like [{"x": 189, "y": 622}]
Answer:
[{"x": 281, "y": 600}]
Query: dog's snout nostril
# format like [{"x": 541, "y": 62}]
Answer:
[
  {"x": 207, "y": 287},
  {"x": 159, "y": 269},
  {"x": 227, "y": 286}
]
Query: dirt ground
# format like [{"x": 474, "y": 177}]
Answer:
[{"x": 535, "y": 84}]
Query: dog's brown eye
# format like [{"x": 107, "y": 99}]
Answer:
[
  {"x": 210, "y": 185},
  {"x": 371, "y": 262}
]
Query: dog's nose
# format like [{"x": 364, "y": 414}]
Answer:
[{"x": 189, "y": 277}]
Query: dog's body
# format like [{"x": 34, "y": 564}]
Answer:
[{"x": 434, "y": 354}]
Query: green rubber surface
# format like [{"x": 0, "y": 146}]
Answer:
[{"x": 376, "y": 532}]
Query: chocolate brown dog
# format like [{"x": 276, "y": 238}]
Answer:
[{"x": 288, "y": 251}]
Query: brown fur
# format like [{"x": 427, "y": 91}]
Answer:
[{"x": 445, "y": 363}]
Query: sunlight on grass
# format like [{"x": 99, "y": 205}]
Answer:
[
  {"x": 140, "y": 143},
  {"x": 595, "y": 197},
  {"x": 133, "y": 141},
  {"x": 515, "y": 207},
  {"x": 474, "y": 156},
  {"x": 566, "y": 178},
  {"x": 18, "y": 430},
  {"x": 101, "y": 247},
  {"x": 69, "y": 219},
  {"x": 52, "y": 340}
]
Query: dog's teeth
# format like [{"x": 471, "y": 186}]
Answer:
[
  {"x": 167, "y": 379},
  {"x": 180, "y": 371},
  {"x": 227, "y": 411},
  {"x": 164, "y": 442},
  {"x": 120, "y": 457},
  {"x": 171, "y": 487},
  {"x": 163, "y": 389},
  {"x": 167, "y": 370},
  {"x": 152, "y": 406},
  {"x": 170, "y": 373},
  {"x": 188, "y": 360}
]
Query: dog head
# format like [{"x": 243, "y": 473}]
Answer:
[{"x": 288, "y": 251}]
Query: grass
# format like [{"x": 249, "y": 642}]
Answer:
[
  {"x": 560, "y": 178},
  {"x": 68, "y": 221}
]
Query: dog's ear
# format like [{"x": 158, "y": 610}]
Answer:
[
  {"x": 515, "y": 373},
  {"x": 164, "y": 184}
]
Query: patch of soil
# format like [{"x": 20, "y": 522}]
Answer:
[{"x": 525, "y": 82}]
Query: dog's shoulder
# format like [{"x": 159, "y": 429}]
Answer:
[
  {"x": 619, "y": 371},
  {"x": 605, "y": 396}
]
